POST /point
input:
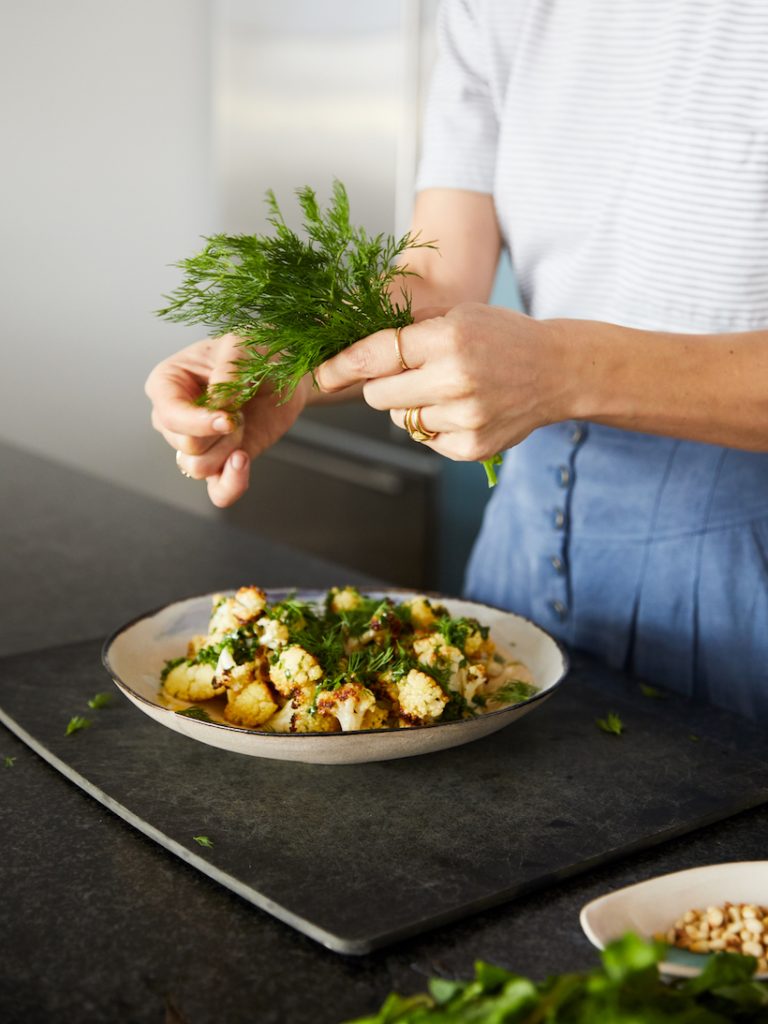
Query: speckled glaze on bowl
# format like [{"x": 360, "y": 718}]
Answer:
[{"x": 134, "y": 656}]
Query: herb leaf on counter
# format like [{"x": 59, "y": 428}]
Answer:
[
  {"x": 76, "y": 723},
  {"x": 612, "y": 723}
]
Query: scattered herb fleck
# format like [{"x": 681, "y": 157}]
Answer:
[
  {"x": 77, "y": 723},
  {"x": 693, "y": 737},
  {"x": 203, "y": 841},
  {"x": 9, "y": 762},
  {"x": 652, "y": 692},
  {"x": 100, "y": 700},
  {"x": 194, "y": 712},
  {"x": 612, "y": 723}
]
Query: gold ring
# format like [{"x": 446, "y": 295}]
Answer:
[
  {"x": 416, "y": 428},
  {"x": 398, "y": 350},
  {"x": 181, "y": 470}
]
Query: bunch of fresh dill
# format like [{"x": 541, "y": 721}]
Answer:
[{"x": 293, "y": 302}]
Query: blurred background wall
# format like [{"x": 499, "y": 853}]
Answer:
[{"x": 129, "y": 131}]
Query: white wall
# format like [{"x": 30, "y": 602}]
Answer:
[{"x": 105, "y": 179}]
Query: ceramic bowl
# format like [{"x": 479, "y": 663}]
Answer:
[
  {"x": 135, "y": 654},
  {"x": 652, "y": 907}
]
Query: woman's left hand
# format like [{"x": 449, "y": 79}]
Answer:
[{"x": 483, "y": 377}]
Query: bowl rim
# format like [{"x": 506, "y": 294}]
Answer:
[{"x": 264, "y": 734}]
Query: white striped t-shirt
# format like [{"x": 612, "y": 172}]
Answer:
[{"x": 625, "y": 143}]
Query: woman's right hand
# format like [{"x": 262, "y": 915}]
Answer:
[{"x": 215, "y": 445}]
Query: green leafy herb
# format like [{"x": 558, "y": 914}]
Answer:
[
  {"x": 611, "y": 723},
  {"x": 693, "y": 737},
  {"x": 77, "y": 723},
  {"x": 203, "y": 841},
  {"x": 626, "y": 989},
  {"x": 194, "y": 712},
  {"x": 9, "y": 762},
  {"x": 169, "y": 666},
  {"x": 294, "y": 302},
  {"x": 100, "y": 700},
  {"x": 515, "y": 691},
  {"x": 651, "y": 692}
]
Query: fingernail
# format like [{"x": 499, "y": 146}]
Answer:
[
  {"x": 222, "y": 424},
  {"x": 238, "y": 460}
]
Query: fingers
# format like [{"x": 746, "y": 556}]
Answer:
[
  {"x": 226, "y": 473},
  {"x": 231, "y": 483},
  {"x": 208, "y": 463},
  {"x": 378, "y": 355}
]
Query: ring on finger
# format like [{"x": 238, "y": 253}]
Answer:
[
  {"x": 399, "y": 351},
  {"x": 179, "y": 456},
  {"x": 416, "y": 428}
]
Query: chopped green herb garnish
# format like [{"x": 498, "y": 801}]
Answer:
[
  {"x": 195, "y": 712},
  {"x": 9, "y": 762},
  {"x": 515, "y": 691},
  {"x": 100, "y": 700},
  {"x": 652, "y": 692},
  {"x": 77, "y": 723},
  {"x": 693, "y": 737},
  {"x": 611, "y": 723},
  {"x": 203, "y": 841},
  {"x": 169, "y": 666}
]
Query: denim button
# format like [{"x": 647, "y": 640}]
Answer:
[
  {"x": 563, "y": 476},
  {"x": 557, "y": 563},
  {"x": 558, "y": 518},
  {"x": 558, "y": 609}
]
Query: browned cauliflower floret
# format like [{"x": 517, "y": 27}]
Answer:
[
  {"x": 421, "y": 698},
  {"x": 345, "y": 600},
  {"x": 250, "y": 701},
  {"x": 272, "y": 633},
  {"x": 196, "y": 644},
  {"x": 294, "y": 669},
  {"x": 477, "y": 647},
  {"x": 223, "y": 619},
  {"x": 348, "y": 704},
  {"x": 294, "y": 716},
  {"x": 188, "y": 681},
  {"x": 422, "y": 613},
  {"x": 376, "y": 717},
  {"x": 249, "y": 604}
]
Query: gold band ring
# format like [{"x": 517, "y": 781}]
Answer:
[
  {"x": 416, "y": 428},
  {"x": 398, "y": 350},
  {"x": 181, "y": 468}
]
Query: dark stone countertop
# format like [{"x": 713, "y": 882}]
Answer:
[{"x": 101, "y": 925}]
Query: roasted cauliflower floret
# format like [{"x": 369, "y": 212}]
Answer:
[
  {"x": 348, "y": 704},
  {"x": 294, "y": 669},
  {"x": 345, "y": 600},
  {"x": 223, "y": 619},
  {"x": 250, "y": 701},
  {"x": 188, "y": 681},
  {"x": 472, "y": 679},
  {"x": 422, "y": 613},
  {"x": 478, "y": 647},
  {"x": 294, "y": 716},
  {"x": 196, "y": 644},
  {"x": 249, "y": 604},
  {"x": 421, "y": 698},
  {"x": 272, "y": 633}
]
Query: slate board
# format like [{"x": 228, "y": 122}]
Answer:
[{"x": 359, "y": 856}]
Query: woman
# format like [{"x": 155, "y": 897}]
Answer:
[{"x": 620, "y": 152}]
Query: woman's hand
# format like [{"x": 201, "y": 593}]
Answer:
[
  {"x": 483, "y": 377},
  {"x": 211, "y": 445}
]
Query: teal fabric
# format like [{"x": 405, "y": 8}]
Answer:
[{"x": 648, "y": 552}]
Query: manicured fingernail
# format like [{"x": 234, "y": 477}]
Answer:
[
  {"x": 222, "y": 424},
  {"x": 238, "y": 460}
]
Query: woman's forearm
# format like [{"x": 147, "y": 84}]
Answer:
[{"x": 711, "y": 388}]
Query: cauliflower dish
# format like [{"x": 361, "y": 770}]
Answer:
[{"x": 351, "y": 662}]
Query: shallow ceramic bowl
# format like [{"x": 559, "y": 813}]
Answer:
[
  {"x": 134, "y": 656},
  {"x": 653, "y": 906}
]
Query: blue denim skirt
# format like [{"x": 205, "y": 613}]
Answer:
[{"x": 647, "y": 552}]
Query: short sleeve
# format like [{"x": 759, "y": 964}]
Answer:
[{"x": 460, "y": 128}]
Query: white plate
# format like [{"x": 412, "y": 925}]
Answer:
[
  {"x": 135, "y": 654},
  {"x": 653, "y": 906}
]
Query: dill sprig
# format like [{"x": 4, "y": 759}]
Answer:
[{"x": 294, "y": 302}]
